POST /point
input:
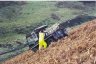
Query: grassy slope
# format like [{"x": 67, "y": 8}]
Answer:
[
  {"x": 34, "y": 13},
  {"x": 31, "y": 14},
  {"x": 77, "y": 48}
]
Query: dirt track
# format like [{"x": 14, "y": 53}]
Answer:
[{"x": 78, "y": 48}]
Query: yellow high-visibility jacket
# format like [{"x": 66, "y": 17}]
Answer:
[
  {"x": 42, "y": 42},
  {"x": 41, "y": 36}
]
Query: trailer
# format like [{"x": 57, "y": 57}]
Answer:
[{"x": 52, "y": 33}]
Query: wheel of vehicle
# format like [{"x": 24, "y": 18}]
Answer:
[
  {"x": 60, "y": 33},
  {"x": 55, "y": 36},
  {"x": 34, "y": 49}
]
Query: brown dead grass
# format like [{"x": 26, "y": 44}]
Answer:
[{"x": 78, "y": 48}]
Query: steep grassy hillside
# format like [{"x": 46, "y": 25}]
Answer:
[
  {"x": 78, "y": 48},
  {"x": 17, "y": 20}
]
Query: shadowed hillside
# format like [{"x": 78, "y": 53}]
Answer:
[{"x": 78, "y": 48}]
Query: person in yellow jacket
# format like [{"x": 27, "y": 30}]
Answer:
[{"x": 42, "y": 42}]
